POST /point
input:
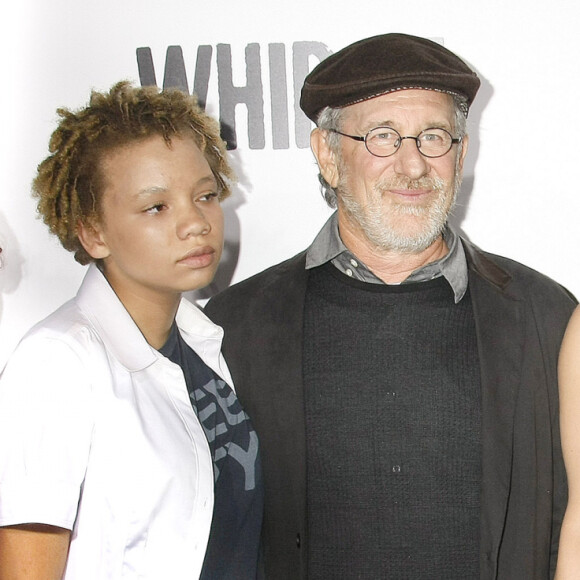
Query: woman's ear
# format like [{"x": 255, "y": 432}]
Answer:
[
  {"x": 92, "y": 238},
  {"x": 325, "y": 157}
]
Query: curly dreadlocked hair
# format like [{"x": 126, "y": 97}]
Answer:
[{"x": 69, "y": 182}]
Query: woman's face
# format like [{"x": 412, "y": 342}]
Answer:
[{"x": 161, "y": 227}]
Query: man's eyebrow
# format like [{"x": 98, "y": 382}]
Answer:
[
  {"x": 390, "y": 123},
  {"x": 370, "y": 125}
]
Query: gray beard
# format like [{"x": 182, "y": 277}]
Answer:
[{"x": 382, "y": 232}]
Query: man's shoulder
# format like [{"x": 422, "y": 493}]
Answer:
[
  {"x": 272, "y": 283},
  {"x": 514, "y": 277}
]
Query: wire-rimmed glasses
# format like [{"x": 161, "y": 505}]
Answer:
[{"x": 385, "y": 141}]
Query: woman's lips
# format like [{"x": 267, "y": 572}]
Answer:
[{"x": 199, "y": 258}]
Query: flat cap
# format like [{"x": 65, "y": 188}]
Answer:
[{"x": 383, "y": 64}]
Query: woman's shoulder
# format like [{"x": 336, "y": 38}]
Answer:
[{"x": 60, "y": 338}]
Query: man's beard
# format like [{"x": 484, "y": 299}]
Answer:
[{"x": 384, "y": 225}]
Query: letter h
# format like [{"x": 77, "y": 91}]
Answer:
[{"x": 251, "y": 95}]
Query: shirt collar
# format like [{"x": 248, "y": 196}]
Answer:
[
  {"x": 99, "y": 303},
  {"x": 329, "y": 247}
]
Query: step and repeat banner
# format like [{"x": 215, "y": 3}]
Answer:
[{"x": 246, "y": 61}]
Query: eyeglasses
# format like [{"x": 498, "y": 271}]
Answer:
[{"x": 385, "y": 141}]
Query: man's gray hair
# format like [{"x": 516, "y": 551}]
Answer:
[{"x": 330, "y": 119}]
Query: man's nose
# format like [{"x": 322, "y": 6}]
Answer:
[{"x": 408, "y": 160}]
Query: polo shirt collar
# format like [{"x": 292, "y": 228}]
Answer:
[{"x": 329, "y": 247}]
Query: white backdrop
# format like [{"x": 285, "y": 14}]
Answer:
[{"x": 520, "y": 197}]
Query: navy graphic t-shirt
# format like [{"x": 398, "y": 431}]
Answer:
[{"x": 232, "y": 550}]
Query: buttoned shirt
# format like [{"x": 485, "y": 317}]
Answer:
[
  {"x": 329, "y": 247},
  {"x": 99, "y": 436}
]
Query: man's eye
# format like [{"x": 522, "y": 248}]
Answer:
[
  {"x": 431, "y": 137},
  {"x": 384, "y": 136}
]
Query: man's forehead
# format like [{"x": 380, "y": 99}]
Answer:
[{"x": 404, "y": 103}]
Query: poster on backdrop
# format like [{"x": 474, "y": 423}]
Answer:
[{"x": 246, "y": 63}]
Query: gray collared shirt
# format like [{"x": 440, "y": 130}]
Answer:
[{"x": 328, "y": 247}]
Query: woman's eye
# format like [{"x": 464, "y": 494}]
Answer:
[
  {"x": 208, "y": 196},
  {"x": 155, "y": 208}
]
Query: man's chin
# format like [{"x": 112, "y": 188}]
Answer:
[{"x": 409, "y": 240}]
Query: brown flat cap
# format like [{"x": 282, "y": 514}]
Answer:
[{"x": 383, "y": 64}]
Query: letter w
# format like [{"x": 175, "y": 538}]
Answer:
[{"x": 175, "y": 74}]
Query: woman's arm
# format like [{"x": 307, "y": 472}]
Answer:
[
  {"x": 33, "y": 552},
  {"x": 569, "y": 384}
]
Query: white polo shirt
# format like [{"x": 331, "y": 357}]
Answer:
[{"x": 98, "y": 435}]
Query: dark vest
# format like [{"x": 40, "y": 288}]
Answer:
[{"x": 393, "y": 415}]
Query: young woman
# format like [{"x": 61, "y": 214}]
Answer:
[{"x": 124, "y": 452}]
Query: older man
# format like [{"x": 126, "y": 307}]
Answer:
[{"x": 402, "y": 381}]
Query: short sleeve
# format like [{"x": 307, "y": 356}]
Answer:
[{"x": 46, "y": 424}]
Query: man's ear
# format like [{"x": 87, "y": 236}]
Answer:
[
  {"x": 91, "y": 237},
  {"x": 325, "y": 157},
  {"x": 463, "y": 153}
]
